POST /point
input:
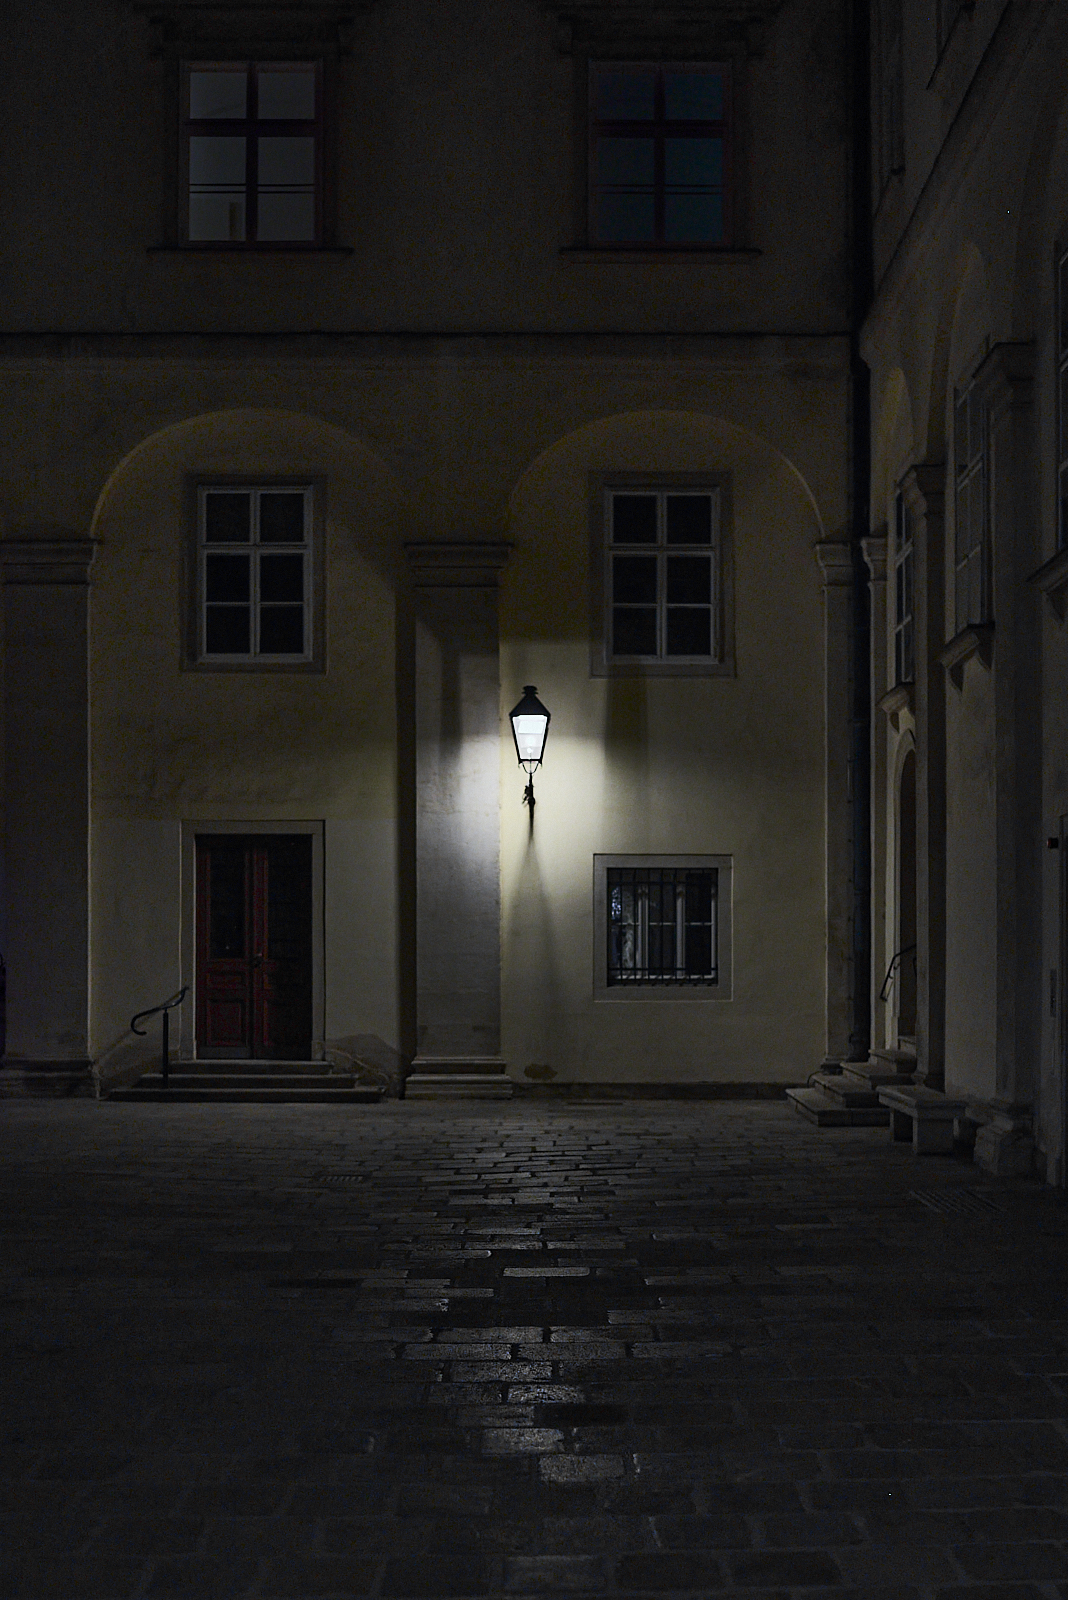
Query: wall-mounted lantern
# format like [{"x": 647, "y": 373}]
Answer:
[{"x": 530, "y": 724}]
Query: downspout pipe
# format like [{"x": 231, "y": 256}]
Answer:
[{"x": 861, "y": 283}]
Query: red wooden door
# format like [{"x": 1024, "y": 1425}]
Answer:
[{"x": 254, "y": 946}]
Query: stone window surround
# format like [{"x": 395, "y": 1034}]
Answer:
[
  {"x": 601, "y": 664},
  {"x": 663, "y": 993},
  {"x": 191, "y": 655}
]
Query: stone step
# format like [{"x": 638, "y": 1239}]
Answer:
[
  {"x": 828, "y": 1112},
  {"x": 872, "y": 1075},
  {"x": 440, "y": 1085},
  {"x": 243, "y": 1064},
  {"x": 357, "y": 1094},
  {"x": 453, "y": 1066},
  {"x": 249, "y": 1080},
  {"x": 848, "y": 1090}
]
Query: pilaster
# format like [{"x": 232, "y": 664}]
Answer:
[
  {"x": 46, "y": 805},
  {"x": 457, "y": 826},
  {"x": 924, "y": 489},
  {"x": 874, "y": 550},
  {"x": 1005, "y": 381},
  {"x": 836, "y": 571}
]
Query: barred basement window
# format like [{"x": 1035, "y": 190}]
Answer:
[
  {"x": 663, "y": 926},
  {"x": 257, "y": 587}
]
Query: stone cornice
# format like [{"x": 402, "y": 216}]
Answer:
[
  {"x": 924, "y": 488},
  {"x": 835, "y": 559},
  {"x": 622, "y": 28},
  {"x": 1005, "y": 377},
  {"x": 874, "y": 548},
  {"x": 181, "y": 25},
  {"x": 976, "y": 640},
  {"x": 447, "y": 564},
  {"x": 48, "y": 559}
]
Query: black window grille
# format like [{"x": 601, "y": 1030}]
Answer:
[{"x": 662, "y": 925}]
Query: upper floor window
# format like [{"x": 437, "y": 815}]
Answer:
[
  {"x": 904, "y": 631},
  {"x": 659, "y": 155},
  {"x": 971, "y": 512},
  {"x": 663, "y": 567},
  {"x": 252, "y": 151},
  {"x": 256, "y": 579},
  {"x": 1062, "y": 402}
]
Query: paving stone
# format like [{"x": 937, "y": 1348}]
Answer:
[{"x": 637, "y": 1348}]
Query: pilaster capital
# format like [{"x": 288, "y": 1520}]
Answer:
[
  {"x": 835, "y": 559},
  {"x": 50, "y": 557},
  {"x": 924, "y": 489},
  {"x": 1005, "y": 378},
  {"x": 874, "y": 548},
  {"x": 454, "y": 564}
]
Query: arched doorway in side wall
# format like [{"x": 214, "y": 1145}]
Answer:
[{"x": 905, "y": 985}]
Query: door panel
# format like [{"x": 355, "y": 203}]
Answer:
[{"x": 254, "y": 946}]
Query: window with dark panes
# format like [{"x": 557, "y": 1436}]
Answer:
[
  {"x": 659, "y": 155},
  {"x": 904, "y": 627},
  {"x": 662, "y": 925},
  {"x": 661, "y": 580},
  {"x": 254, "y": 572},
  {"x": 253, "y": 152},
  {"x": 971, "y": 519},
  {"x": 1062, "y": 402}
]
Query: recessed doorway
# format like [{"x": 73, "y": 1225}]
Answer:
[{"x": 254, "y": 946}]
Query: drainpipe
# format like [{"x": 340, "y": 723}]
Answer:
[{"x": 860, "y": 473}]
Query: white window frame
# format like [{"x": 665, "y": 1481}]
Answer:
[
  {"x": 664, "y": 991},
  {"x": 971, "y": 508},
  {"x": 311, "y": 658},
  {"x": 603, "y": 488},
  {"x": 904, "y": 594}
]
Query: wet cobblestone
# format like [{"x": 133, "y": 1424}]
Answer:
[{"x": 422, "y": 1351}]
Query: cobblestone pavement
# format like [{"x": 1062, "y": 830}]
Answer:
[{"x": 417, "y": 1351}]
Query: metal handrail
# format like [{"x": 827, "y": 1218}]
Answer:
[
  {"x": 166, "y": 1008},
  {"x": 891, "y": 972}
]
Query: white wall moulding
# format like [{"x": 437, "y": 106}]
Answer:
[{"x": 976, "y": 640}]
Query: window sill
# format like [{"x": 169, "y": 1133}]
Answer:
[
  {"x": 898, "y": 704},
  {"x": 976, "y": 640},
  {"x": 222, "y": 248},
  {"x": 584, "y": 254},
  {"x": 600, "y": 668},
  {"x": 300, "y": 667},
  {"x": 662, "y": 994},
  {"x": 1052, "y": 579}
]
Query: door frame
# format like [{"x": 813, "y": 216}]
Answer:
[{"x": 253, "y": 826}]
